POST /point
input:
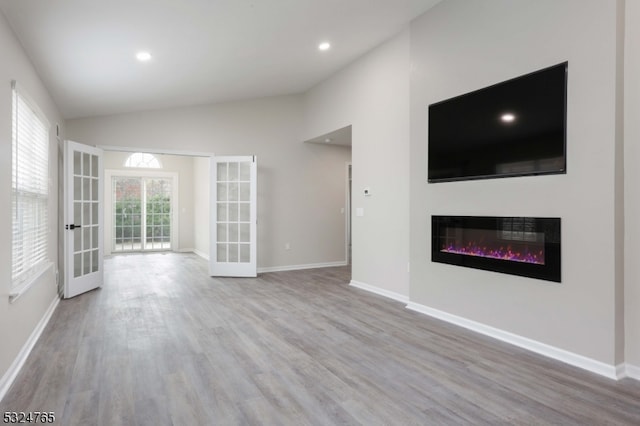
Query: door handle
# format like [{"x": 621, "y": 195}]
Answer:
[{"x": 72, "y": 226}]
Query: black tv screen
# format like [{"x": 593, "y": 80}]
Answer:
[{"x": 513, "y": 128}]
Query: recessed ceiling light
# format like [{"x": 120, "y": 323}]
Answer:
[
  {"x": 507, "y": 117},
  {"x": 327, "y": 140},
  {"x": 324, "y": 46},
  {"x": 143, "y": 56}
]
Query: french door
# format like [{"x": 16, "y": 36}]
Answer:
[
  {"x": 233, "y": 216},
  {"x": 142, "y": 212},
  {"x": 83, "y": 175}
]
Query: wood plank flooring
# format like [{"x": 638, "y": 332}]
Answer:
[{"x": 161, "y": 343}]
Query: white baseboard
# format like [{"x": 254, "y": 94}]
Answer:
[
  {"x": 7, "y": 380},
  {"x": 380, "y": 291},
  {"x": 185, "y": 250},
  {"x": 632, "y": 371},
  {"x": 598, "y": 367},
  {"x": 299, "y": 267},
  {"x": 282, "y": 268},
  {"x": 202, "y": 254}
]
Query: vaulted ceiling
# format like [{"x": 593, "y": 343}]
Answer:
[{"x": 202, "y": 51}]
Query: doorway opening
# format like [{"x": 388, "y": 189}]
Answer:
[
  {"x": 155, "y": 201},
  {"x": 337, "y": 146}
]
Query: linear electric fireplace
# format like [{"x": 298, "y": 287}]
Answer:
[{"x": 526, "y": 246}]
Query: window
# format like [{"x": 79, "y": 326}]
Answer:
[
  {"x": 30, "y": 191},
  {"x": 142, "y": 160}
]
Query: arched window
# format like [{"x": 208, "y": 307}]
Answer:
[{"x": 143, "y": 160}]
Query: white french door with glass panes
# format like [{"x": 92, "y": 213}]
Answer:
[
  {"x": 83, "y": 218},
  {"x": 143, "y": 211},
  {"x": 233, "y": 216}
]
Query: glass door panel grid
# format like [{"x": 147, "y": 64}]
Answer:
[
  {"x": 233, "y": 202},
  {"x": 127, "y": 214},
  {"x": 86, "y": 242},
  {"x": 157, "y": 196},
  {"x": 142, "y": 214}
]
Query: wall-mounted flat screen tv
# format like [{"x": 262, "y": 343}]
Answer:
[{"x": 514, "y": 128}]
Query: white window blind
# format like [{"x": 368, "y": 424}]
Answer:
[{"x": 30, "y": 190}]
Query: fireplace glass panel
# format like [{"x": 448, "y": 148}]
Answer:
[
  {"x": 524, "y": 246},
  {"x": 516, "y": 240}
]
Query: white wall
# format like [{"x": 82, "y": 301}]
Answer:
[
  {"x": 201, "y": 205},
  {"x": 184, "y": 167},
  {"x": 632, "y": 186},
  {"x": 372, "y": 95},
  {"x": 460, "y": 46},
  {"x": 300, "y": 186},
  {"x": 19, "y": 319}
]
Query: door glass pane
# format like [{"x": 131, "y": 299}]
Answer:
[
  {"x": 245, "y": 253},
  {"x": 77, "y": 163},
  {"x": 158, "y": 212},
  {"x": 86, "y": 214},
  {"x": 86, "y": 164},
  {"x": 77, "y": 188},
  {"x": 94, "y": 189},
  {"x": 233, "y": 172},
  {"x": 127, "y": 206},
  {"x": 233, "y": 192},
  {"x": 221, "y": 252},
  {"x": 222, "y": 212},
  {"x": 94, "y": 213},
  {"x": 77, "y": 213},
  {"x": 77, "y": 265},
  {"x": 222, "y": 232},
  {"x": 94, "y": 261},
  {"x": 245, "y": 212},
  {"x": 94, "y": 237},
  {"x": 222, "y": 192},
  {"x": 233, "y": 212},
  {"x": 233, "y": 253},
  {"x": 86, "y": 262},
  {"x": 77, "y": 239},
  {"x": 94, "y": 166},
  {"x": 245, "y": 192},
  {"x": 245, "y": 232},
  {"x": 86, "y": 238},
  {"x": 233, "y": 232},
  {"x": 245, "y": 171},
  {"x": 222, "y": 172},
  {"x": 86, "y": 189}
]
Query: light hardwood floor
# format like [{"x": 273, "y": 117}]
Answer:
[{"x": 162, "y": 343}]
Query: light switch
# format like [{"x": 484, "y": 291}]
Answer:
[{"x": 360, "y": 212}]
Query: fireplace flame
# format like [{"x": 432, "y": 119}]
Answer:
[{"x": 502, "y": 253}]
